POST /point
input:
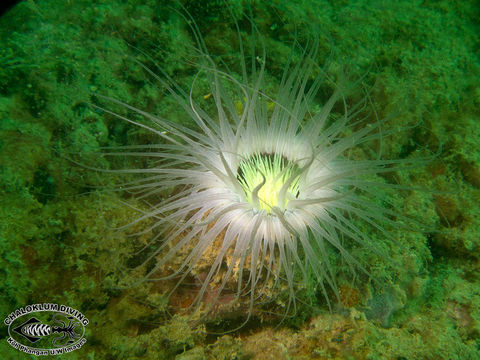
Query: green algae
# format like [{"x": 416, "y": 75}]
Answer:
[{"x": 57, "y": 235}]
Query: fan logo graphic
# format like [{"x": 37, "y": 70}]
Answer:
[{"x": 46, "y": 329}]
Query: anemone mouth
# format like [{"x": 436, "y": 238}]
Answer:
[{"x": 269, "y": 180}]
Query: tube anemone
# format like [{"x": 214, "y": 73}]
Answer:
[{"x": 264, "y": 188}]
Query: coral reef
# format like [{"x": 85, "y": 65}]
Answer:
[{"x": 58, "y": 226}]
